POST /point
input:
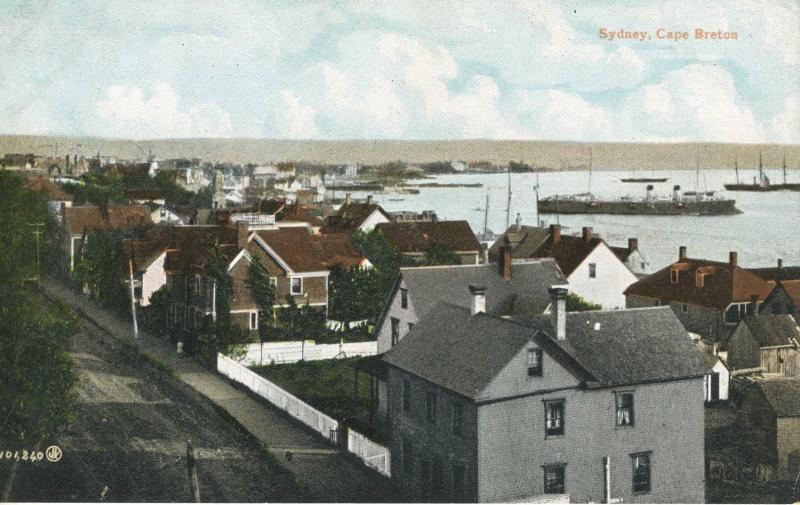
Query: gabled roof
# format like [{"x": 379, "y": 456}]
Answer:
[
  {"x": 304, "y": 252},
  {"x": 53, "y": 192},
  {"x": 189, "y": 246},
  {"x": 621, "y": 252},
  {"x": 524, "y": 240},
  {"x": 778, "y": 273},
  {"x": 773, "y": 329},
  {"x": 783, "y": 395},
  {"x": 723, "y": 284},
  {"x": 464, "y": 353},
  {"x": 78, "y": 220},
  {"x": 569, "y": 252},
  {"x": 524, "y": 293},
  {"x": 351, "y": 216},
  {"x": 419, "y": 236}
]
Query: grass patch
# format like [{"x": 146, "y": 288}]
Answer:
[{"x": 327, "y": 385}]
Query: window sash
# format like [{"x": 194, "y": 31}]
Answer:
[
  {"x": 554, "y": 418},
  {"x": 593, "y": 270},
  {"x": 534, "y": 362},
  {"x": 403, "y": 298},
  {"x": 554, "y": 479},
  {"x": 641, "y": 473},
  {"x": 625, "y": 409},
  {"x": 297, "y": 285}
]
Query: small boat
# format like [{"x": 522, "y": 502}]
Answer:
[{"x": 645, "y": 179}]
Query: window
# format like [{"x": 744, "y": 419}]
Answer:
[
  {"x": 553, "y": 418},
  {"x": 458, "y": 418},
  {"x": 410, "y": 326},
  {"x": 624, "y": 409},
  {"x": 459, "y": 479},
  {"x": 737, "y": 312},
  {"x": 395, "y": 330},
  {"x": 430, "y": 407},
  {"x": 641, "y": 472},
  {"x": 684, "y": 308},
  {"x": 273, "y": 281},
  {"x": 592, "y": 270},
  {"x": 534, "y": 362},
  {"x": 197, "y": 284},
  {"x": 404, "y": 298},
  {"x": 408, "y": 456},
  {"x": 699, "y": 279},
  {"x": 254, "y": 320},
  {"x": 406, "y": 395},
  {"x": 674, "y": 275},
  {"x": 297, "y": 285},
  {"x": 554, "y": 479}
]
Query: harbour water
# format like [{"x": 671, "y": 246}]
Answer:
[{"x": 768, "y": 228}]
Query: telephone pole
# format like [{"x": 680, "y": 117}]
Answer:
[
  {"x": 133, "y": 299},
  {"x": 37, "y": 231}
]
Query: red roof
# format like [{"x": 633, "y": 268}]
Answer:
[
  {"x": 722, "y": 284},
  {"x": 792, "y": 289},
  {"x": 43, "y": 185},
  {"x": 304, "y": 252},
  {"x": 419, "y": 236},
  {"x": 78, "y": 220}
]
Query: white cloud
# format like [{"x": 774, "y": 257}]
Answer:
[
  {"x": 557, "y": 115},
  {"x": 127, "y": 111}
]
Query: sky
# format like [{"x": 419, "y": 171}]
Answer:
[{"x": 501, "y": 69}]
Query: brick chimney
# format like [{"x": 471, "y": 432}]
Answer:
[
  {"x": 478, "y": 299},
  {"x": 733, "y": 258},
  {"x": 347, "y": 199},
  {"x": 682, "y": 253},
  {"x": 241, "y": 234},
  {"x": 633, "y": 244},
  {"x": 555, "y": 232},
  {"x": 558, "y": 311},
  {"x": 369, "y": 199},
  {"x": 519, "y": 222},
  {"x": 504, "y": 259},
  {"x": 780, "y": 263},
  {"x": 586, "y": 233}
]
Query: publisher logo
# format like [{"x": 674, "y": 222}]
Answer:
[{"x": 53, "y": 454}]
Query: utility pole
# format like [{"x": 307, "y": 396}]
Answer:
[
  {"x": 508, "y": 202},
  {"x": 133, "y": 299},
  {"x": 38, "y": 232},
  {"x": 486, "y": 218},
  {"x": 191, "y": 470}
]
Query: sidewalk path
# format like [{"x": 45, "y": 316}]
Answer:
[{"x": 327, "y": 475}]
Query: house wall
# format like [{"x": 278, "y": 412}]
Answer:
[
  {"x": 724, "y": 381},
  {"x": 636, "y": 262},
  {"x": 743, "y": 349},
  {"x": 315, "y": 289},
  {"x": 405, "y": 316},
  {"x": 153, "y": 278},
  {"x": 607, "y": 288},
  {"x": 778, "y": 302},
  {"x": 669, "y": 421},
  {"x": 783, "y": 360},
  {"x": 372, "y": 221},
  {"x": 430, "y": 440},
  {"x": 788, "y": 443}
]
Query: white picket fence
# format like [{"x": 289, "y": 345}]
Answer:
[
  {"x": 327, "y": 426},
  {"x": 294, "y": 351},
  {"x": 372, "y": 454}
]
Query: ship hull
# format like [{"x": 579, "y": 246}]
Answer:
[
  {"x": 645, "y": 179},
  {"x": 759, "y": 188},
  {"x": 640, "y": 208}
]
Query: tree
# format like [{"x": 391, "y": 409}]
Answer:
[
  {"x": 263, "y": 293},
  {"x": 440, "y": 255},
  {"x": 386, "y": 262},
  {"x": 577, "y": 303},
  {"x": 302, "y": 322},
  {"x": 101, "y": 268}
]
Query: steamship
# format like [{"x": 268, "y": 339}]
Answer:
[{"x": 650, "y": 205}]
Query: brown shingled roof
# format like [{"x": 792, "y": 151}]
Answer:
[
  {"x": 78, "y": 220},
  {"x": 350, "y": 217},
  {"x": 569, "y": 252},
  {"x": 419, "y": 236},
  {"x": 723, "y": 284},
  {"x": 41, "y": 184},
  {"x": 792, "y": 289},
  {"x": 304, "y": 252}
]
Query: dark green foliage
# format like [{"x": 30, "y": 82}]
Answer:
[
  {"x": 439, "y": 255},
  {"x": 157, "y": 313},
  {"x": 263, "y": 293},
  {"x": 37, "y": 378},
  {"x": 576, "y": 303},
  {"x": 352, "y": 294},
  {"x": 101, "y": 268},
  {"x": 438, "y": 167},
  {"x": 302, "y": 322},
  {"x": 386, "y": 263},
  {"x": 97, "y": 189},
  {"x": 514, "y": 166}
]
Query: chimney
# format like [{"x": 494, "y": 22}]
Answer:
[
  {"x": 633, "y": 245},
  {"x": 478, "y": 299},
  {"x": 241, "y": 234},
  {"x": 780, "y": 263},
  {"x": 682, "y": 253},
  {"x": 733, "y": 258},
  {"x": 587, "y": 233},
  {"x": 649, "y": 192},
  {"x": 369, "y": 199},
  {"x": 296, "y": 207},
  {"x": 676, "y": 193},
  {"x": 555, "y": 232},
  {"x": 558, "y": 311},
  {"x": 754, "y": 305},
  {"x": 347, "y": 199},
  {"x": 504, "y": 259},
  {"x": 519, "y": 221}
]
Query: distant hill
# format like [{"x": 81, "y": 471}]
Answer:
[{"x": 555, "y": 155}]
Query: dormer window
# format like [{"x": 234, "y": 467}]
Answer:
[
  {"x": 674, "y": 275},
  {"x": 699, "y": 279},
  {"x": 534, "y": 362}
]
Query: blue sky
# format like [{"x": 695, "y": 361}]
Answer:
[{"x": 401, "y": 70}]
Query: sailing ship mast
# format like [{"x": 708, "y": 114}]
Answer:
[
  {"x": 589, "y": 191},
  {"x": 784, "y": 167},
  {"x": 486, "y": 218},
  {"x": 508, "y": 202},
  {"x": 697, "y": 174},
  {"x": 736, "y": 168}
]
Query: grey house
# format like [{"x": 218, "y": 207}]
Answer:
[
  {"x": 589, "y": 406},
  {"x": 512, "y": 289}
]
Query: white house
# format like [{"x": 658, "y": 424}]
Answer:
[{"x": 591, "y": 267}]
